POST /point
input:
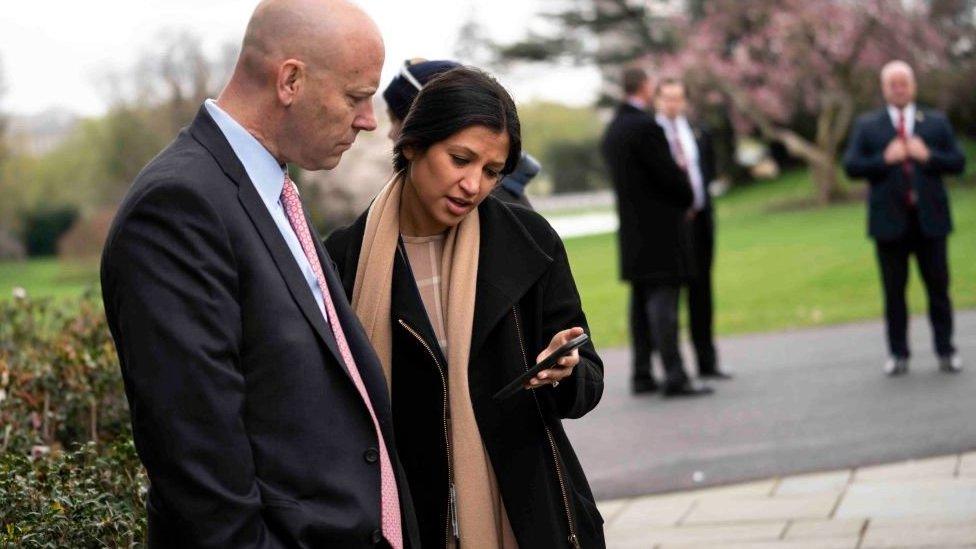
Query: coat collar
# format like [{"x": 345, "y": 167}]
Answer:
[
  {"x": 884, "y": 119},
  {"x": 627, "y": 108},
  {"x": 884, "y": 122},
  {"x": 510, "y": 262}
]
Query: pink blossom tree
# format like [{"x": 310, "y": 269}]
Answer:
[
  {"x": 796, "y": 71},
  {"x": 774, "y": 61}
]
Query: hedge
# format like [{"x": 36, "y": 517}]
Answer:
[{"x": 69, "y": 474}]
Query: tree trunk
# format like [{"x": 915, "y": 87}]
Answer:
[
  {"x": 724, "y": 144},
  {"x": 825, "y": 180},
  {"x": 93, "y": 420},
  {"x": 820, "y": 154},
  {"x": 832, "y": 122}
]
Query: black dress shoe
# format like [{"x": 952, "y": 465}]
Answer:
[
  {"x": 642, "y": 386},
  {"x": 687, "y": 389},
  {"x": 716, "y": 374}
]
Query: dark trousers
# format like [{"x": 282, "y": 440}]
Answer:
[
  {"x": 654, "y": 314},
  {"x": 699, "y": 291},
  {"x": 933, "y": 263}
]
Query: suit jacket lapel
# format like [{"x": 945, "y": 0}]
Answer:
[
  {"x": 921, "y": 124},
  {"x": 206, "y": 132},
  {"x": 287, "y": 266},
  {"x": 368, "y": 364},
  {"x": 505, "y": 272},
  {"x": 888, "y": 129}
]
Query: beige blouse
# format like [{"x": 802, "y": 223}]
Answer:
[{"x": 425, "y": 254}]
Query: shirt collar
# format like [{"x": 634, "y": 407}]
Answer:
[
  {"x": 909, "y": 112},
  {"x": 637, "y": 103},
  {"x": 266, "y": 174},
  {"x": 677, "y": 124}
]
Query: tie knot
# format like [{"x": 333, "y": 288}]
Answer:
[{"x": 288, "y": 189}]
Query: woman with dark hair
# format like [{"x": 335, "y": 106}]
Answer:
[
  {"x": 405, "y": 86},
  {"x": 460, "y": 294}
]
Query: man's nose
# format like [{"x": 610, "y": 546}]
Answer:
[{"x": 365, "y": 118}]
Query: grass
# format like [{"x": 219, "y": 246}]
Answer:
[
  {"x": 777, "y": 269},
  {"x": 48, "y": 277}
]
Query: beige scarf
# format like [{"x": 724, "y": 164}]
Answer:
[{"x": 481, "y": 515}]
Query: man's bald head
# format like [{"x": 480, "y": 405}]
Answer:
[
  {"x": 305, "y": 79},
  {"x": 313, "y": 31},
  {"x": 898, "y": 83}
]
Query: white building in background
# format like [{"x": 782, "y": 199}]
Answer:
[{"x": 40, "y": 133}]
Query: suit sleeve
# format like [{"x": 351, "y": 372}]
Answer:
[
  {"x": 670, "y": 181},
  {"x": 860, "y": 161},
  {"x": 171, "y": 286},
  {"x": 945, "y": 156},
  {"x": 562, "y": 309}
]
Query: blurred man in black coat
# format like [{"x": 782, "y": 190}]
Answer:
[
  {"x": 903, "y": 151},
  {"x": 691, "y": 149},
  {"x": 653, "y": 197}
]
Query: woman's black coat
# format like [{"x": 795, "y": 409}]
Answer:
[{"x": 525, "y": 294}]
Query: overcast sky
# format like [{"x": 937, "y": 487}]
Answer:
[{"x": 53, "y": 51}]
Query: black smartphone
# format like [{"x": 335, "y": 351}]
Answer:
[{"x": 548, "y": 362}]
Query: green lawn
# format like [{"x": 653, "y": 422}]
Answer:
[
  {"x": 778, "y": 269},
  {"x": 48, "y": 277}
]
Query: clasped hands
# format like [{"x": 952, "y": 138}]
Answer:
[{"x": 900, "y": 150}]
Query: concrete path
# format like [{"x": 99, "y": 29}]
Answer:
[
  {"x": 802, "y": 401},
  {"x": 926, "y": 503},
  {"x": 584, "y": 224}
]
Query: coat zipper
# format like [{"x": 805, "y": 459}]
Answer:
[
  {"x": 451, "y": 526},
  {"x": 573, "y": 538}
]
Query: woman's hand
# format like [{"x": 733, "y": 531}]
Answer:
[{"x": 564, "y": 366}]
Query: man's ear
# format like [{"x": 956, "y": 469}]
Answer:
[{"x": 291, "y": 79}]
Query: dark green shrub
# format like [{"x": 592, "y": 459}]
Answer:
[
  {"x": 575, "y": 166},
  {"x": 90, "y": 497},
  {"x": 42, "y": 229},
  {"x": 69, "y": 474},
  {"x": 60, "y": 382}
]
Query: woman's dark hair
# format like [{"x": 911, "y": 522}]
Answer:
[{"x": 458, "y": 99}]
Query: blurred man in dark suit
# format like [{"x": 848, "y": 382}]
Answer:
[
  {"x": 653, "y": 198},
  {"x": 903, "y": 151},
  {"x": 691, "y": 148}
]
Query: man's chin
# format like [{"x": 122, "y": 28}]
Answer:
[{"x": 328, "y": 163}]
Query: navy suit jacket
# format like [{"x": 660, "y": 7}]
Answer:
[
  {"x": 249, "y": 425},
  {"x": 888, "y": 209}
]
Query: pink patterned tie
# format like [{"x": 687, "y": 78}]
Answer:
[{"x": 390, "y": 500}]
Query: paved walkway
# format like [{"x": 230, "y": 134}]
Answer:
[
  {"x": 802, "y": 401},
  {"x": 914, "y": 504}
]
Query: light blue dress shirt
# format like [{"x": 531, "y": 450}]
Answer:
[{"x": 268, "y": 178}]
